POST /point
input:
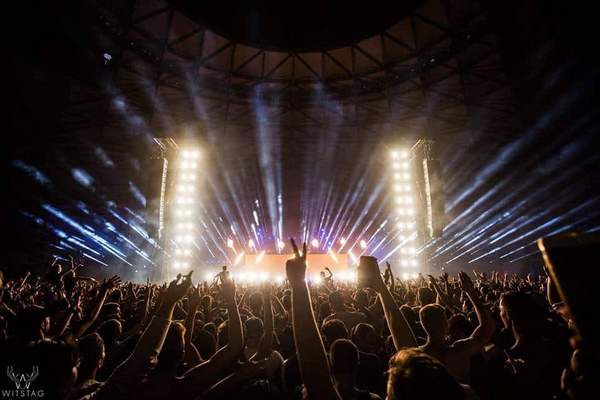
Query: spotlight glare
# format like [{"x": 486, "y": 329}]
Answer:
[
  {"x": 363, "y": 244},
  {"x": 314, "y": 243},
  {"x": 280, "y": 244},
  {"x": 332, "y": 255},
  {"x": 208, "y": 277},
  {"x": 251, "y": 243},
  {"x": 260, "y": 256},
  {"x": 405, "y": 275},
  {"x": 230, "y": 243},
  {"x": 343, "y": 241},
  {"x": 353, "y": 258},
  {"x": 239, "y": 258}
]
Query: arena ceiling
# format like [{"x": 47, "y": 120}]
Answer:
[
  {"x": 430, "y": 68},
  {"x": 304, "y": 116}
]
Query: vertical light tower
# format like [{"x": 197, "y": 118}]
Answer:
[
  {"x": 405, "y": 213},
  {"x": 183, "y": 203}
]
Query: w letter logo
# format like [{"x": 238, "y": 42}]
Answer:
[{"x": 22, "y": 381}]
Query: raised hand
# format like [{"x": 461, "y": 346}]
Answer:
[
  {"x": 466, "y": 284},
  {"x": 194, "y": 298},
  {"x": 295, "y": 269},
  {"x": 432, "y": 280},
  {"x": 175, "y": 290},
  {"x": 111, "y": 283},
  {"x": 228, "y": 289}
]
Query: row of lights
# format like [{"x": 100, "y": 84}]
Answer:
[
  {"x": 184, "y": 200},
  {"x": 281, "y": 245},
  {"x": 258, "y": 277},
  {"x": 404, "y": 211}
]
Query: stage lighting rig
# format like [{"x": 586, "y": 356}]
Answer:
[
  {"x": 402, "y": 183},
  {"x": 179, "y": 199}
]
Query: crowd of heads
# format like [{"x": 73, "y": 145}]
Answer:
[{"x": 473, "y": 336}]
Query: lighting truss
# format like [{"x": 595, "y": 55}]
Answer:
[
  {"x": 183, "y": 203},
  {"x": 404, "y": 213}
]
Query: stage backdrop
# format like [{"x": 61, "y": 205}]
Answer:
[{"x": 274, "y": 264}]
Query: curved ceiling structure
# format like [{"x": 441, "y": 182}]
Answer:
[{"x": 294, "y": 120}]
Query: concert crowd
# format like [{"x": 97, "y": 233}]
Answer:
[{"x": 479, "y": 335}]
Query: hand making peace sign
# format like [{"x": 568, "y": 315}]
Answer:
[{"x": 295, "y": 268}]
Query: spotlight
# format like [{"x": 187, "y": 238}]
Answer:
[
  {"x": 279, "y": 279},
  {"x": 317, "y": 280},
  {"x": 263, "y": 276},
  {"x": 397, "y": 188},
  {"x": 396, "y": 165},
  {"x": 413, "y": 263},
  {"x": 230, "y": 243},
  {"x": 208, "y": 277},
  {"x": 405, "y": 275},
  {"x": 280, "y": 244},
  {"x": 343, "y": 241},
  {"x": 251, "y": 243},
  {"x": 190, "y": 154},
  {"x": 415, "y": 275},
  {"x": 395, "y": 154},
  {"x": 314, "y": 243},
  {"x": 363, "y": 244},
  {"x": 260, "y": 256},
  {"x": 406, "y": 176}
]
